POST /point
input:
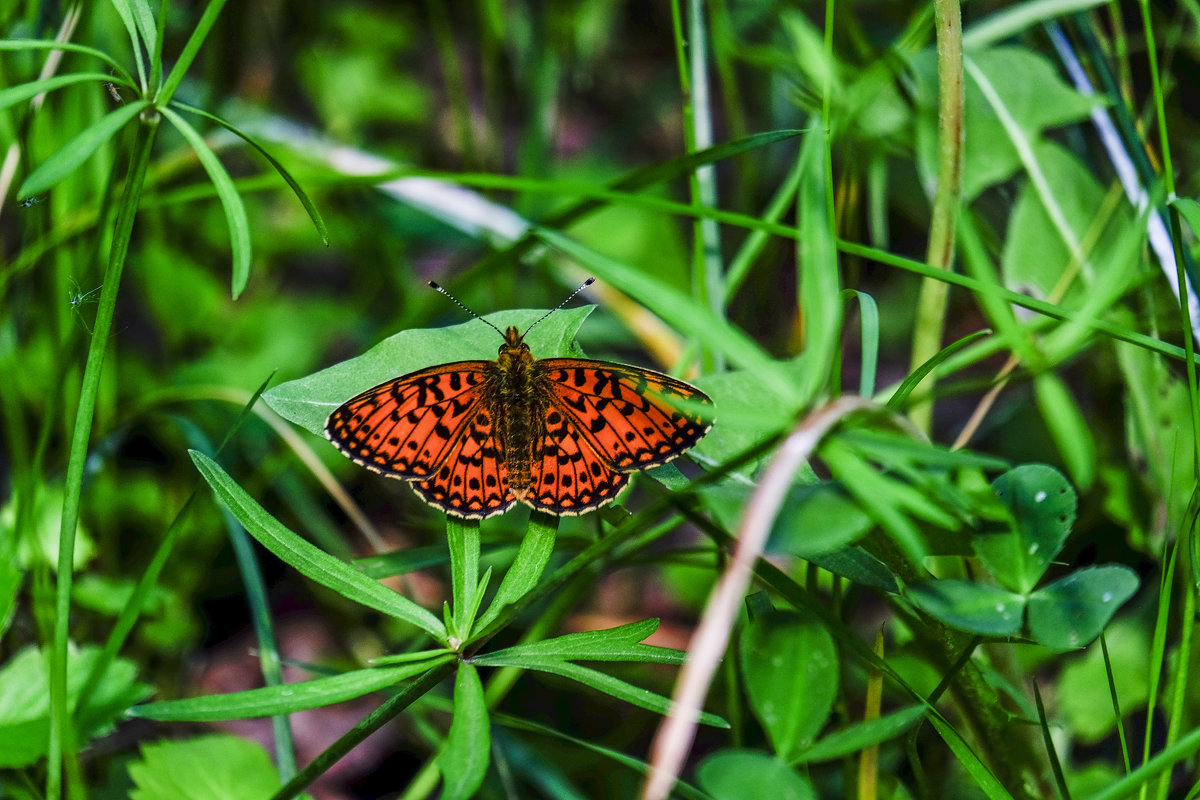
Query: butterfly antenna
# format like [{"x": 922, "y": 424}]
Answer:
[
  {"x": 583, "y": 286},
  {"x": 456, "y": 302}
]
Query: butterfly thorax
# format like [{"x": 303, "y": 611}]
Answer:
[{"x": 517, "y": 398}]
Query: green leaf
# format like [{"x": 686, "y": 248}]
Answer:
[
  {"x": 1071, "y": 433},
  {"x": 1030, "y": 91},
  {"x": 301, "y": 195},
  {"x": 818, "y": 518},
  {"x": 1042, "y": 505},
  {"x": 24, "y": 91},
  {"x": 463, "y": 760},
  {"x": 204, "y": 768},
  {"x": 287, "y": 699},
  {"x": 76, "y": 151},
  {"x": 975, "y": 607},
  {"x": 188, "y": 54},
  {"x": 613, "y": 644},
  {"x": 125, "y": 12},
  {"x": 462, "y": 540},
  {"x": 522, "y": 576},
  {"x": 862, "y": 735},
  {"x": 231, "y": 201},
  {"x": 1189, "y": 209},
  {"x": 122, "y": 77},
  {"x": 791, "y": 669},
  {"x": 1013, "y": 20},
  {"x": 679, "y": 311},
  {"x": 739, "y": 774},
  {"x": 415, "y": 559},
  {"x": 25, "y": 702},
  {"x": 309, "y": 401},
  {"x": 601, "y": 682},
  {"x": 1072, "y": 611},
  {"x": 856, "y": 564},
  {"x": 820, "y": 288},
  {"x": 311, "y": 561}
]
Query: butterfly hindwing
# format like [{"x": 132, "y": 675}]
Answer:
[
  {"x": 567, "y": 476},
  {"x": 406, "y": 428},
  {"x": 632, "y": 418},
  {"x": 473, "y": 481}
]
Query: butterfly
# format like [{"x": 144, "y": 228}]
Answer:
[{"x": 561, "y": 435}]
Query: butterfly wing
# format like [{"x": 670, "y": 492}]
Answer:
[
  {"x": 473, "y": 481},
  {"x": 568, "y": 477},
  {"x": 407, "y": 427},
  {"x": 631, "y": 418}
]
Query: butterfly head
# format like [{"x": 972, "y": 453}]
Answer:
[{"x": 514, "y": 349}]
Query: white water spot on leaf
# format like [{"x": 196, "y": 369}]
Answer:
[
  {"x": 1033, "y": 548},
  {"x": 1106, "y": 597},
  {"x": 1039, "y": 497}
]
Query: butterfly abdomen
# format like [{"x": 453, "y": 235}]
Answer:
[{"x": 518, "y": 406}]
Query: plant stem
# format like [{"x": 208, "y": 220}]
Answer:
[
  {"x": 931, "y": 308},
  {"x": 60, "y": 728}
]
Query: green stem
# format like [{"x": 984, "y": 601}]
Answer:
[
  {"x": 60, "y": 728},
  {"x": 931, "y": 308}
]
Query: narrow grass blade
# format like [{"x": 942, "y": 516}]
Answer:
[
  {"x": 286, "y": 699},
  {"x": 76, "y": 151},
  {"x": 1051, "y": 752},
  {"x": 309, "y": 207},
  {"x": 131, "y": 27},
  {"x": 900, "y": 397},
  {"x": 122, "y": 75},
  {"x": 24, "y": 91},
  {"x": 869, "y": 310},
  {"x": 613, "y": 644},
  {"x": 308, "y": 559},
  {"x": 231, "y": 201},
  {"x": 199, "y": 34}
]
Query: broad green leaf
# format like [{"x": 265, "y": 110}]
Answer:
[
  {"x": 522, "y": 576},
  {"x": 309, "y": 401},
  {"x": 25, "y": 702},
  {"x": 204, "y": 768},
  {"x": 231, "y": 201},
  {"x": 1072, "y": 611},
  {"x": 25, "y": 91},
  {"x": 1070, "y": 431},
  {"x": 1059, "y": 230},
  {"x": 742, "y": 774},
  {"x": 817, "y": 518},
  {"x": 287, "y": 699},
  {"x": 1083, "y": 694},
  {"x": 301, "y": 195},
  {"x": 463, "y": 760},
  {"x": 612, "y": 644},
  {"x": 862, "y": 735},
  {"x": 791, "y": 669},
  {"x": 1029, "y": 89},
  {"x": 975, "y": 607},
  {"x": 1042, "y": 505},
  {"x": 75, "y": 152},
  {"x": 311, "y": 561}
]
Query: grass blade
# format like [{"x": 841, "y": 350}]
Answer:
[
  {"x": 231, "y": 201},
  {"x": 199, "y": 34},
  {"x": 75, "y": 152}
]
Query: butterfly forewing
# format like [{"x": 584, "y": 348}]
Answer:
[
  {"x": 632, "y": 418},
  {"x": 406, "y": 428}
]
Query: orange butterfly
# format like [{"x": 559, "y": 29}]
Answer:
[{"x": 558, "y": 434}]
